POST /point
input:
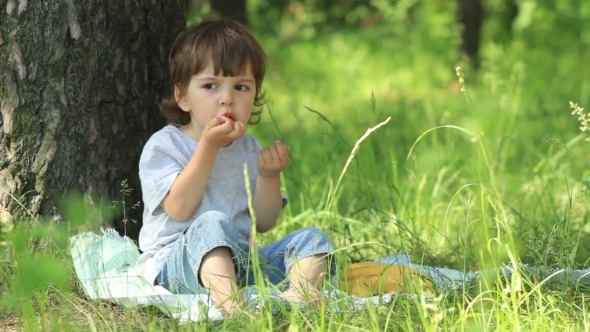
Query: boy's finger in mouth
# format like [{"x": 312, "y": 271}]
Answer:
[{"x": 230, "y": 115}]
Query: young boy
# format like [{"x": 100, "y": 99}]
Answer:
[{"x": 196, "y": 223}]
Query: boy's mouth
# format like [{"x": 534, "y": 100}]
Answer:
[{"x": 230, "y": 115}]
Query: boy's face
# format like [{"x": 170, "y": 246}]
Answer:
[{"x": 209, "y": 96}]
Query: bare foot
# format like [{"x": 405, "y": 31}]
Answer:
[
  {"x": 303, "y": 296},
  {"x": 231, "y": 306}
]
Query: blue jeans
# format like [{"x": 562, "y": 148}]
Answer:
[{"x": 213, "y": 229}]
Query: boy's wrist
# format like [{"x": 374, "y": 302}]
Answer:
[
  {"x": 207, "y": 147},
  {"x": 270, "y": 176},
  {"x": 266, "y": 181}
]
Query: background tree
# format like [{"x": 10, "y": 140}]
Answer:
[
  {"x": 232, "y": 9},
  {"x": 471, "y": 15},
  {"x": 79, "y": 86}
]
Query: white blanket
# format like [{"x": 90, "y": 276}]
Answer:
[{"x": 105, "y": 266}]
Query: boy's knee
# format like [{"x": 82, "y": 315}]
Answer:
[
  {"x": 214, "y": 219},
  {"x": 214, "y": 216},
  {"x": 213, "y": 223},
  {"x": 314, "y": 235},
  {"x": 314, "y": 232}
]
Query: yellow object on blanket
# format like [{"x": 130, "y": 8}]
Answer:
[{"x": 369, "y": 279}]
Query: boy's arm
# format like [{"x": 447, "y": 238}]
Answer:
[
  {"x": 188, "y": 189},
  {"x": 267, "y": 202}
]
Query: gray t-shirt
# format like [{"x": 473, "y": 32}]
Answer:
[{"x": 164, "y": 156}]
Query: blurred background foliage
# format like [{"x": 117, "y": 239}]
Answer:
[
  {"x": 538, "y": 22},
  {"x": 549, "y": 34}
]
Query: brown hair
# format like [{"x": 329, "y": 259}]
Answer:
[{"x": 228, "y": 46}]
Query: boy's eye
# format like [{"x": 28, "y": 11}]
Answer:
[
  {"x": 241, "y": 87},
  {"x": 209, "y": 86}
]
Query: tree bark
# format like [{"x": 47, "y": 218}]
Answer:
[{"x": 79, "y": 85}]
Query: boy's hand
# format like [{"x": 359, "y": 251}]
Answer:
[
  {"x": 273, "y": 159},
  {"x": 221, "y": 131}
]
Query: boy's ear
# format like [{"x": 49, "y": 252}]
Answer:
[{"x": 180, "y": 96}]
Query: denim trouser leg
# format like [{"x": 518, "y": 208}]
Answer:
[
  {"x": 277, "y": 258},
  {"x": 211, "y": 230}
]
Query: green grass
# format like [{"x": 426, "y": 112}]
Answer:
[{"x": 516, "y": 190}]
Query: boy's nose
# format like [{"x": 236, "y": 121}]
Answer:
[{"x": 227, "y": 99}]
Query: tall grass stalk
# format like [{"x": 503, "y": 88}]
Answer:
[{"x": 334, "y": 192}]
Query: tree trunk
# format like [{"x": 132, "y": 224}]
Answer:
[
  {"x": 471, "y": 15},
  {"x": 79, "y": 85},
  {"x": 231, "y": 9}
]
